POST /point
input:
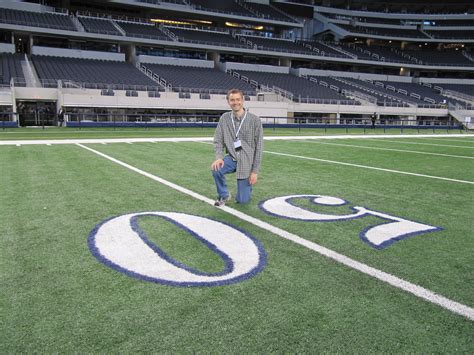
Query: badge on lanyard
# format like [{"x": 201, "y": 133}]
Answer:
[
  {"x": 237, "y": 142},
  {"x": 237, "y": 145}
]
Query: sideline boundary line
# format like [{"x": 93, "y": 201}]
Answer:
[
  {"x": 206, "y": 139},
  {"x": 407, "y": 286}
]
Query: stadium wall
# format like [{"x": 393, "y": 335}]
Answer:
[
  {"x": 77, "y": 53},
  {"x": 256, "y": 67},
  {"x": 144, "y": 59},
  {"x": 354, "y": 75},
  {"x": 7, "y": 48}
]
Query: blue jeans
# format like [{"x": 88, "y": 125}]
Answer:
[{"x": 244, "y": 189}]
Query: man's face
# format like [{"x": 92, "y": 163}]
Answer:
[{"x": 236, "y": 102}]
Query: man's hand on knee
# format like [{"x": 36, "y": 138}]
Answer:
[
  {"x": 253, "y": 178},
  {"x": 218, "y": 164}
]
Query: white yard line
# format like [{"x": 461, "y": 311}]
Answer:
[
  {"x": 414, "y": 289},
  {"x": 370, "y": 167},
  {"x": 432, "y": 144},
  {"x": 366, "y": 167},
  {"x": 391, "y": 150},
  {"x": 451, "y": 140},
  {"x": 102, "y": 141},
  {"x": 209, "y": 139}
]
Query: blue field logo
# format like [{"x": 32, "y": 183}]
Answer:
[{"x": 120, "y": 243}]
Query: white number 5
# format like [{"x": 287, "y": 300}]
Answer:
[{"x": 379, "y": 236}]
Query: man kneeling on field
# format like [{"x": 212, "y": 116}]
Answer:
[{"x": 240, "y": 133}]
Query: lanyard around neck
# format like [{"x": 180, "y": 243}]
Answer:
[{"x": 241, "y": 123}]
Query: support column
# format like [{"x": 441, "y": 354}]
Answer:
[
  {"x": 284, "y": 62},
  {"x": 131, "y": 54},
  {"x": 215, "y": 57}
]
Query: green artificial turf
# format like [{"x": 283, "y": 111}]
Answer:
[{"x": 57, "y": 297}]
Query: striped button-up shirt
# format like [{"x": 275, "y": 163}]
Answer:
[{"x": 249, "y": 158}]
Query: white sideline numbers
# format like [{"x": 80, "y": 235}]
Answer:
[
  {"x": 379, "y": 236},
  {"x": 121, "y": 244}
]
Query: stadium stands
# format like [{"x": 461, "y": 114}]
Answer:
[
  {"x": 280, "y": 45},
  {"x": 255, "y": 38},
  {"x": 11, "y": 68},
  {"x": 465, "y": 89},
  {"x": 452, "y": 34},
  {"x": 143, "y": 31},
  {"x": 268, "y": 12},
  {"x": 355, "y": 50},
  {"x": 98, "y": 74},
  {"x": 37, "y": 19},
  {"x": 301, "y": 90},
  {"x": 385, "y": 96},
  {"x": 385, "y": 32},
  {"x": 229, "y": 7},
  {"x": 198, "y": 80},
  {"x": 99, "y": 26},
  {"x": 209, "y": 37},
  {"x": 433, "y": 57},
  {"x": 323, "y": 49}
]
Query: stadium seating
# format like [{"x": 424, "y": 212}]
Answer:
[
  {"x": 302, "y": 89},
  {"x": 143, "y": 31},
  {"x": 229, "y": 7},
  {"x": 386, "y": 32},
  {"x": 384, "y": 96},
  {"x": 322, "y": 49},
  {"x": 246, "y": 49},
  {"x": 93, "y": 73},
  {"x": 96, "y": 25},
  {"x": 280, "y": 45},
  {"x": 199, "y": 80},
  {"x": 208, "y": 37},
  {"x": 462, "y": 88},
  {"x": 387, "y": 54},
  {"x": 356, "y": 50},
  {"x": 37, "y": 19},
  {"x": 440, "y": 57},
  {"x": 429, "y": 94},
  {"x": 11, "y": 68},
  {"x": 268, "y": 12},
  {"x": 452, "y": 34}
]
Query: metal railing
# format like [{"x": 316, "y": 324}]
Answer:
[{"x": 148, "y": 120}]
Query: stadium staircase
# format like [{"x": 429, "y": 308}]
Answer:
[
  {"x": 77, "y": 24},
  {"x": 465, "y": 117},
  {"x": 458, "y": 96},
  {"x": 373, "y": 92},
  {"x": 340, "y": 50},
  {"x": 118, "y": 28},
  {"x": 29, "y": 72}
]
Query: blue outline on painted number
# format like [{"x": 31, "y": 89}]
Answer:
[
  {"x": 311, "y": 199},
  {"x": 368, "y": 212},
  {"x": 262, "y": 257},
  {"x": 229, "y": 265},
  {"x": 387, "y": 243}
]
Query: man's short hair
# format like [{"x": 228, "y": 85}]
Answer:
[{"x": 234, "y": 91}]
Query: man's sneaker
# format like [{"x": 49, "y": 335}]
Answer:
[{"x": 222, "y": 201}]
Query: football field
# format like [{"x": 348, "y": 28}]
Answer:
[{"x": 353, "y": 244}]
